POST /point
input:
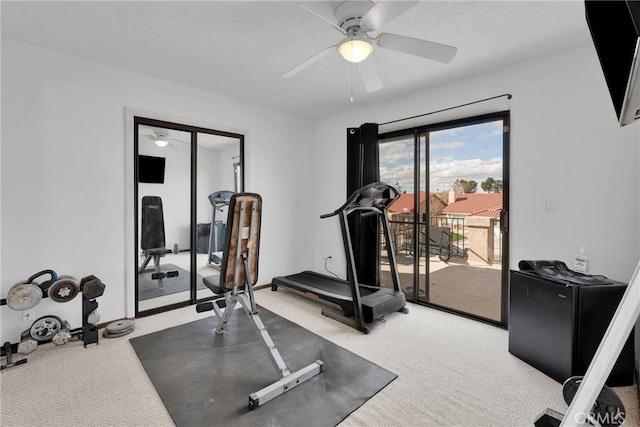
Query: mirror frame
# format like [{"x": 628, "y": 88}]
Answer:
[{"x": 193, "y": 130}]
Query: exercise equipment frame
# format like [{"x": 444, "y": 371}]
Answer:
[
  {"x": 361, "y": 303},
  {"x": 241, "y": 250}
]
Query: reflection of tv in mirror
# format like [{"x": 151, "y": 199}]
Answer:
[{"x": 151, "y": 169}]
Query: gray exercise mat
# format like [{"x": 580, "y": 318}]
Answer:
[
  {"x": 148, "y": 287},
  {"x": 205, "y": 379}
]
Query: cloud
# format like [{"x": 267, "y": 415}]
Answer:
[
  {"x": 398, "y": 173},
  {"x": 447, "y": 145},
  {"x": 444, "y": 174},
  {"x": 393, "y": 152},
  {"x": 495, "y": 129},
  {"x": 447, "y": 132}
]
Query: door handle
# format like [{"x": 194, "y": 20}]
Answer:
[{"x": 504, "y": 221}]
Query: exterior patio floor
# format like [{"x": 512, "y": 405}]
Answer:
[{"x": 459, "y": 284}]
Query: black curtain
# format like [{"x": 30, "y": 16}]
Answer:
[{"x": 362, "y": 169}]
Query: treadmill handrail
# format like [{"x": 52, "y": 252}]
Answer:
[
  {"x": 219, "y": 199},
  {"x": 368, "y": 211},
  {"x": 381, "y": 205}
]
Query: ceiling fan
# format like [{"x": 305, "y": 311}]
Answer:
[
  {"x": 355, "y": 20},
  {"x": 162, "y": 138}
]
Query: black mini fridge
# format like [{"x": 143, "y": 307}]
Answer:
[{"x": 556, "y": 326}]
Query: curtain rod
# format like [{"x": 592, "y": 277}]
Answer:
[{"x": 508, "y": 95}]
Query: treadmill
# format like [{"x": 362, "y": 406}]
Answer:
[
  {"x": 219, "y": 200},
  {"x": 361, "y": 303}
]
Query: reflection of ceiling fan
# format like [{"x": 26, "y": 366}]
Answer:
[
  {"x": 355, "y": 20},
  {"x": 161, "y": 138}
]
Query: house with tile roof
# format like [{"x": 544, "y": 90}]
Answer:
[
  {"x": 405, "y": 203},
  {"x": 475, "y": 204}
]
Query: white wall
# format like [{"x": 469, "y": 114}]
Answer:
[
  {"x": 65, "y": 171},
  {"x": 566, "y": 145}
]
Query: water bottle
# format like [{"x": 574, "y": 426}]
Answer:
[{"x": 581, "y": 261}]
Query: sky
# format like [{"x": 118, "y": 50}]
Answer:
[{"x": 467, "y": 152}]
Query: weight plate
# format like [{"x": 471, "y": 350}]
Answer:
[
  {"x": 27, "y": 345},
  {"x": 108, "y": 334},
  {"x": 608, "y": 409},
  {"x": 63, "y": 290},
  {"x": 61, "y": 338},
  {"x": 45, "y": 328},
  {"x": 119, "y": 326},
  {"x": 124, "y": 331},
  {"x": 23, "y": 296}
]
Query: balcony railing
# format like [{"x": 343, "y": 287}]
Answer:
[
  {"x": 446, "y": 236},
  {"x": 477, "y": 237}
]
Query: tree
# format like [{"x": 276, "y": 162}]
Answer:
[
  {"x": 487, "y": 184},
  {"x": 491, "y": 185},
  {"x": 464, "y": 186}
]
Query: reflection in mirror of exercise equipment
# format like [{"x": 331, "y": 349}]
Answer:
[
  {"x": 219, "y": 204},
  {"x": 152, "y": 239}
]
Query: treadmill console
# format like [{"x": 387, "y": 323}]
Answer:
[{"x": 376, "y": 196}]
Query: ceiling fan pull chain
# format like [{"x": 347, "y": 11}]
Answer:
[{"x": 351, "y": 97}]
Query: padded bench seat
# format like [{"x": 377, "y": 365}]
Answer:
[{"x": 213, "y": 283}]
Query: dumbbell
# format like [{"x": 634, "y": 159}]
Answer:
[{"x": 91, "y": 287}]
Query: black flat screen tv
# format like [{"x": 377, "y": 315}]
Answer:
[
  {"x": 615, "y": 30},
  {"x": 151, "y": 169}
]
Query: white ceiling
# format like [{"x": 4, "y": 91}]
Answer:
[{"x": 241, "y": 48}]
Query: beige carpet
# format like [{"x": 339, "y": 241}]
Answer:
[{"x": 451, "y": 371}]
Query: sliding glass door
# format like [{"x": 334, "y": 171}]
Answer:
[{"x": 449, "y": 224}]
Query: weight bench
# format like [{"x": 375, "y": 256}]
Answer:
[
  {"x": 238, "y": 275},
  {"x": 152, "y": 239}
]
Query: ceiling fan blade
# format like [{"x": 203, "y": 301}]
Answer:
[
  {"x": 384, "y": 12},
  {"x": 321, "y": 17},
  {"x": 295, "y": 70},
  {"x": 418, "y": 47},
  {"x": 370, "y": 76}
]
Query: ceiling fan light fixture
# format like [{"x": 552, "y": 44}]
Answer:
[
  {"x": 161, "y": 142},
  {"x": 355, "y": 49}
]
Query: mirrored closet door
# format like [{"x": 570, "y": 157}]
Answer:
[{"x": 184, "y": 178}]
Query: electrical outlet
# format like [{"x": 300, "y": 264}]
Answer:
[{"x": 29, "y": 315}]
